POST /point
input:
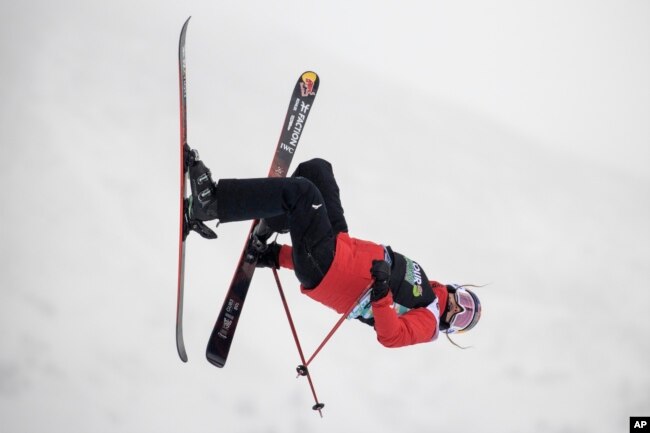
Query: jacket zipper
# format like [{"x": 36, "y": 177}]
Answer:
[{"x": 315, "y": 263}]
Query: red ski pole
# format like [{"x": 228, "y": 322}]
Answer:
[
  {"x": 338, "y": 324},
  {"x": 302, "y": 369}
]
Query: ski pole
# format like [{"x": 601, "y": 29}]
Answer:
[
  {"x": 338, "y": 324},
  {"x": 302, "y": 369}
]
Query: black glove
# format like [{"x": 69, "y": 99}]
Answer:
[
  {"x": 270, "y": 257},
  {"x": 380, "y": 271}
]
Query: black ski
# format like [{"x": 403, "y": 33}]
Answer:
[
  {"x": 224, "y": 329},
  {"x": 185, "y": 224}
]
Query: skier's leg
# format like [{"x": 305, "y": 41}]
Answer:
[
  {"x": 295, "y": 199},
  {"x": 320, "y": 173},
  {"x": 312, "y": 238},
  {"x": 246, "y": 199}
]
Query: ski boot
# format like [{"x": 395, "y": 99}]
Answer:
[
  {"x": 257, "y": 245},
  {"x": 257, "y": 242},
  {"x": 260, "y": 253},
  {"x": 200, "y": 205}
]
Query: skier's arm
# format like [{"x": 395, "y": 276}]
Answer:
[{"x": 416, "y": 326}]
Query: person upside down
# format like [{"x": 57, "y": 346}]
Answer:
[{"x": 333, "y": 268}]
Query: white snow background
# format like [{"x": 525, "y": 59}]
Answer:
[{"x": 501, "y": 142}]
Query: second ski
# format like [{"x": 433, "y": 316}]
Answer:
[{"x": 224, "y": 329}]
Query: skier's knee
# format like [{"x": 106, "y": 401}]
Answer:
[
  {"x": 305, "y": 194},
  {"x": 320, "y": 163},
  {"x": 313, "y": 168},
  {"x": 305, "y": 187}
]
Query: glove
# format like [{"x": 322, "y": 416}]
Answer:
[
  {"x": 380, "y": 271},
  {"x": 270, "y": 257}
]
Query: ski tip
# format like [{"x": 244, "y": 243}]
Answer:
[
  {"x": 215, "y": 360},
  {"x": 308, "y": 82},
  {"x": 181, "y": 351},
  {"x": 180, "y": 342},
  {"x": 309, "y": 76},
  {"x": 187, "y": 21}
]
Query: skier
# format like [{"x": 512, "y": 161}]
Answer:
[{"x": 403, "y": 305}]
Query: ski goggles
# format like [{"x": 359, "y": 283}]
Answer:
[{"x": 469, "y": 314}]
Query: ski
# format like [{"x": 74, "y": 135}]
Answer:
[
  {"x": 187, "y": 155},
  {"x": 180, "y": 343},
  {"x": 224, "y": 329}
]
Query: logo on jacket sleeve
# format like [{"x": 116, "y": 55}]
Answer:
[{"x": 413, "y": 272}]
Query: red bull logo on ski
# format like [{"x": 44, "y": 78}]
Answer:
[{"x": 307, "y": 84}]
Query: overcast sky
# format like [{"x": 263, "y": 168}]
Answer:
[{"x": 503, "y": 143}]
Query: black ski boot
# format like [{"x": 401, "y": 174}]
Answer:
[
  {"x": 257, "y": 245},
  {"x": 203, "y": 201},
  {"x": 191, "y": 222},
  {"x": 261, "y": 233}
]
